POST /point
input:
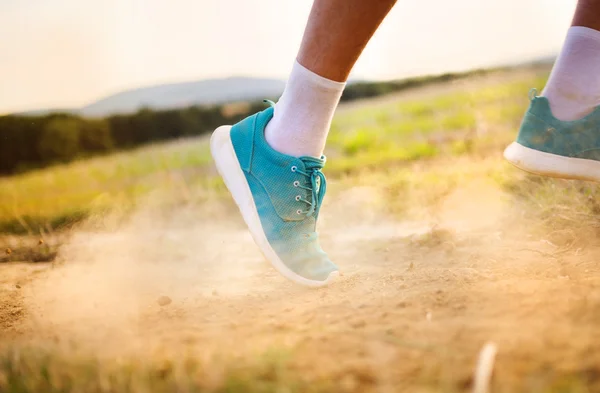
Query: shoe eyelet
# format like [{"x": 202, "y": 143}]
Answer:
[
  {"x": 297, "y": 197},
  {"x": 296, "y": 183},
  {"x": 294, "y": 168},
  {"x": 298, "y": 211}
]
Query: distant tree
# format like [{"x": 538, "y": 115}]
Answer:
[
  {"x": 60, "y": 140},
  {"x": 95, "y": 136},
  {"x": 121, "y": 131},
  {"x": 18, "y": 149}
]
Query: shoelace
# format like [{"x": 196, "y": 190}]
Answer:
[{"x": 318, "y": 186}]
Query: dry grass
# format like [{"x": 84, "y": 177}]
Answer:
[{"x": 31, "y": 370}]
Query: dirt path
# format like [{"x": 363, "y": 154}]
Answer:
[{"x": 414, "y": 307}]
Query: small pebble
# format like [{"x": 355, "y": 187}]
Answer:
[
  {"x": 164, "y": 301},
  {"x": 8, "y": 251},
  {"x": 18, "y": 286},
  {"x": 41, "y": 241}
]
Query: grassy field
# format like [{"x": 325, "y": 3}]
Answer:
[
  {"x": 443, "y": 246},
  {"x": 375, "y": 137}
]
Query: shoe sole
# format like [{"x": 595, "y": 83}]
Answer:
[
  {"x": 552, "y": 165},
  {"x": 229, "y": 168}
]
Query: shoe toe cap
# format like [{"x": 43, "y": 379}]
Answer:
[{"x": 315, "y": 266}]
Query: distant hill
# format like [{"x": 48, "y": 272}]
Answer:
[{"x": 178, "y": 95}]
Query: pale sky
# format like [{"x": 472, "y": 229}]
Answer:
[{"x": 68, "y": 53}]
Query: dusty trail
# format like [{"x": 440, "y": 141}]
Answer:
[{"x": 415, "y": 304}]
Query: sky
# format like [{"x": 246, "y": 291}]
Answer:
[{"x": 68, "y": 53}]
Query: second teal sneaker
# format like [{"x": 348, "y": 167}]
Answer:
[
  {"x": 279, "y": 197},
  {"x": 551, "y": 147}
]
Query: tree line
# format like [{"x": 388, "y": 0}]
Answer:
[
  {"x": 34, "y": 142},
  {"x": 29, "y": 142}
]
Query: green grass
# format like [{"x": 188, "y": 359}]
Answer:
[
  {"x": 390, "y": 134},
  {"x": 55, "y": 197}
]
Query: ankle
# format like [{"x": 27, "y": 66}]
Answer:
[
  {"x": 303, "y": 114},
  {"x": 573, "y": 88}
]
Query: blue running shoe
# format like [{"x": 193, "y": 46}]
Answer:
[
  {"x": 551, "y": 147},
  {"x": 279, "y": 197}
]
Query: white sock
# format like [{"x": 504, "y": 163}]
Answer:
[
  {"x": 573, "y": 88},
  {"x": 303, "y": 114}
]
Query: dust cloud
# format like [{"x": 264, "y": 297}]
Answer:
[
  {"x": 417, "y": 299},
  {"x": 115, "y": 271}
]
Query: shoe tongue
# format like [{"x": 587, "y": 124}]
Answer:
[{"x": 313, "y": 162}]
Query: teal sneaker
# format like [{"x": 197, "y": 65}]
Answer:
[
  {"x": 551, "y": 147},
  {"x": 279, "y": 197}
]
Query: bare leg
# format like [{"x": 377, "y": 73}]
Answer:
[
  {"x": 587, "y": 14},
  {"x": 337, "y": 32},
  {"x": 335, "y": 36}
]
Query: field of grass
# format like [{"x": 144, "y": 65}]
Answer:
[
  {"x": 411, "y": 313},
  {"x": 473, "y": 121}
]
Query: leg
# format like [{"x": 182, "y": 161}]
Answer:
[
  {"x": 271, "y": 162},
  {"x": 335, "y": 36},
  {"x": 559, "y": 135},
  {"x": 337, "y": 32},
  {"x": 587, "y": 14}
]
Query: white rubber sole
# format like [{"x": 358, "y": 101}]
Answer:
[
  {"x": 547, "y": 164},
  {"x": 228, "y": 167}
]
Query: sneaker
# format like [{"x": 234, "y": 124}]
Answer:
[
  {"x": 551, "y": 147},
  {"x": 279, "y": 197}
]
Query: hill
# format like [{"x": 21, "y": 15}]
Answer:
[
  {"x": 175, "y": 95},
  {"x": 179, "y": 95}
]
